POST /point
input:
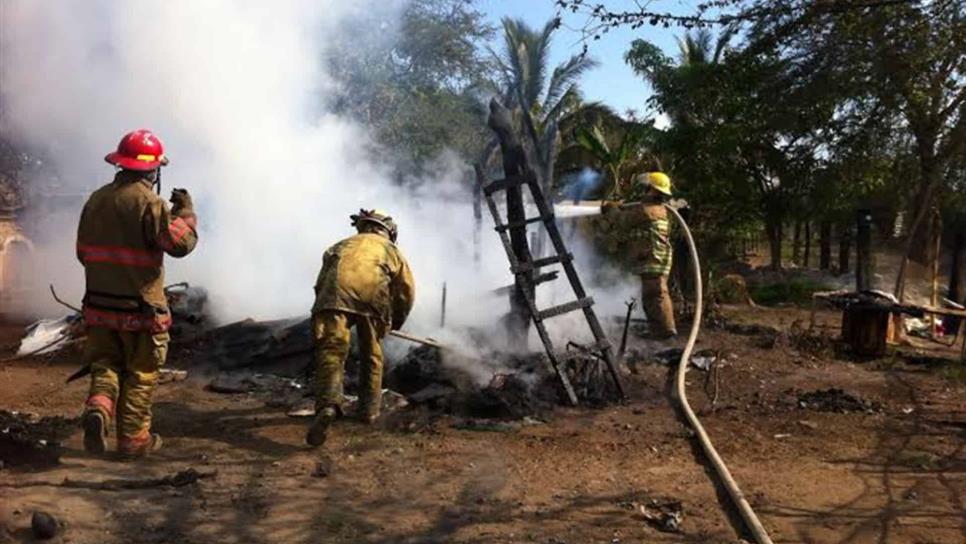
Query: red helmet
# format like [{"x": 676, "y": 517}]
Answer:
[{"x": 139, "y": 150}]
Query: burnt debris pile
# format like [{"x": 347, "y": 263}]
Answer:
[
  {"x": 274, "y": 359},
  {"x": 30, "y": 441},
  {"x": 836, "y": 400},
  {"x": 447, "y": 382}
]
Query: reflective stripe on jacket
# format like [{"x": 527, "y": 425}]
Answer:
[
  {"x": 125, "y": 229},
  {"x": 649, "y": 238}
]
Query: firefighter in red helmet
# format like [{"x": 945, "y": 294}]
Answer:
[{"x": 125, "y": 230}]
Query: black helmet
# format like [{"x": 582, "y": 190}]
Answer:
[{"x": 376, "y": 217}]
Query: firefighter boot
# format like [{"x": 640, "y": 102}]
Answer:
[
  {"x": 141, "y": 446},
  {"x": 95, "y": 421},
  {"x": 95, "y": 432},
  {"x": 320, "y": 426}
]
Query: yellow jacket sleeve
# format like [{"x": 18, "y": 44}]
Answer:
[{"x": 403, "y": 291}]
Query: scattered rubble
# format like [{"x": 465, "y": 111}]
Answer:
[
  {"x": 835, "y": 400},
  {"x": 43, "y": 525},
  {"x": 29, "y": 441},
  {"x": 664, "y": 515},
  {"x": 46, "y": 335},
  {"x": 491, "y": 425},
  {"x": 171, "y": 375},
  {"x": 323, "y": 468},
  {"x": 282, "y": 347},
  {"x": 243, "y": 382},
  {"x": 524, "y": 389},
  {"x": 391, "y": 402}
]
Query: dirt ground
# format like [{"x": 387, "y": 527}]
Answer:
[{"x": 895, "y": 473}]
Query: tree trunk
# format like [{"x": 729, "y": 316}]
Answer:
[
  {"x": 957, "y": 291},
  {"x": 845, "y": 243},
  {"x": 918, "y": 233},
  {"x": 956, "y": 287},
  {"x": 807, "y": 251},
  {"x": 515, "y": 165},
  {"x": 774, "y": 232},
  {"x": 922, "y": 234},
  {"x": 796, "y": 244},
  {"x": 825, "y": 245},
  {"x": 863, "y": 250}
]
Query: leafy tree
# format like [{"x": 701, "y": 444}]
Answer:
[
  {"x": 902, "y": 62},
  {"x": 739, "y": 155},
  {"x": 418, "y": 88}
]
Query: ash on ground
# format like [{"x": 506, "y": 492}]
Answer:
[
  {"x": 835, "y": 400},
  {"x": 30, "y": 441}
]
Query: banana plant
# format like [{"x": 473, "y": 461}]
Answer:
[{"x": 620, "y": 161}]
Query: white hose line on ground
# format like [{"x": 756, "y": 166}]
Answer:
[{"x": 747, "y": 513}]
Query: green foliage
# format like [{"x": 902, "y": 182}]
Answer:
[
  {"x": 794, "y": 291},
  {"x": 621, "y": 154},
  {"x": 816, "y": 110},
  {"x": 895, "y": 78},
  {"x": 416, "y": 83},
  {"x": 543, "y": 103},
  {"x": 739, "y": 156}
]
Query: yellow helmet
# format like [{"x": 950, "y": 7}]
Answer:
[{"x": 657, "y": 180}]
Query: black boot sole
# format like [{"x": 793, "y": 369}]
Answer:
[
  {"x": 319, "y": 430},
  {"x": 95, "y": 434}
]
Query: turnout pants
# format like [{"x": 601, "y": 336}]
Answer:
[
  {"x": 656, "y": 300},
  {"x": 125, "y": 367},
  {"x": 332, "y": 342}
]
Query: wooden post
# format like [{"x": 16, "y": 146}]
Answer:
[
  {"x": 865, "y": 330},
  {"x": 863, "y": 250},
  {"x": 442, "y": 311},
  {"x": 845, "y": 242}
]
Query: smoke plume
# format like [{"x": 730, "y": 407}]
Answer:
[{"x": 236, "y": 90}]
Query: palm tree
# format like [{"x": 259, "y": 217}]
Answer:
[
  {"x": 542, "y": 101},
  {"x": 695, "y": 48}
]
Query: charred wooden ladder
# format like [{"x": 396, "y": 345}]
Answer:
[{"x": 522, "y": 272}]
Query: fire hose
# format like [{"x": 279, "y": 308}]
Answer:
[{"x": 744, "y": 508}]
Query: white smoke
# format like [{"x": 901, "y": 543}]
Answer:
[{"x": 235, "y": 89}]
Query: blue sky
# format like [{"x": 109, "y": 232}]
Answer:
[{"x": 613, "y": 82}]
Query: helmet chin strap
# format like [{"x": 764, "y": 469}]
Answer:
[{"x": 157, "y": 180}]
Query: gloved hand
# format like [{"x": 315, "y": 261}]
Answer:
[
  {"x": 610, "y": 205},
  {"x": 398, "y": 320},
  {"x": 181, "y": 204}
]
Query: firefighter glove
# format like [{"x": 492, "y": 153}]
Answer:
[{"x": 181, "y": 204}]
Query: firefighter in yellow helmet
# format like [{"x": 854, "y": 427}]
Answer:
[
  {"x": 366, "y": 283},
  {"x": 648, "y": 240},
  {"x": 124, "y": 232}
]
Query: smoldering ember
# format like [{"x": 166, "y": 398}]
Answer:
[{"x": 458, "y": 271}]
